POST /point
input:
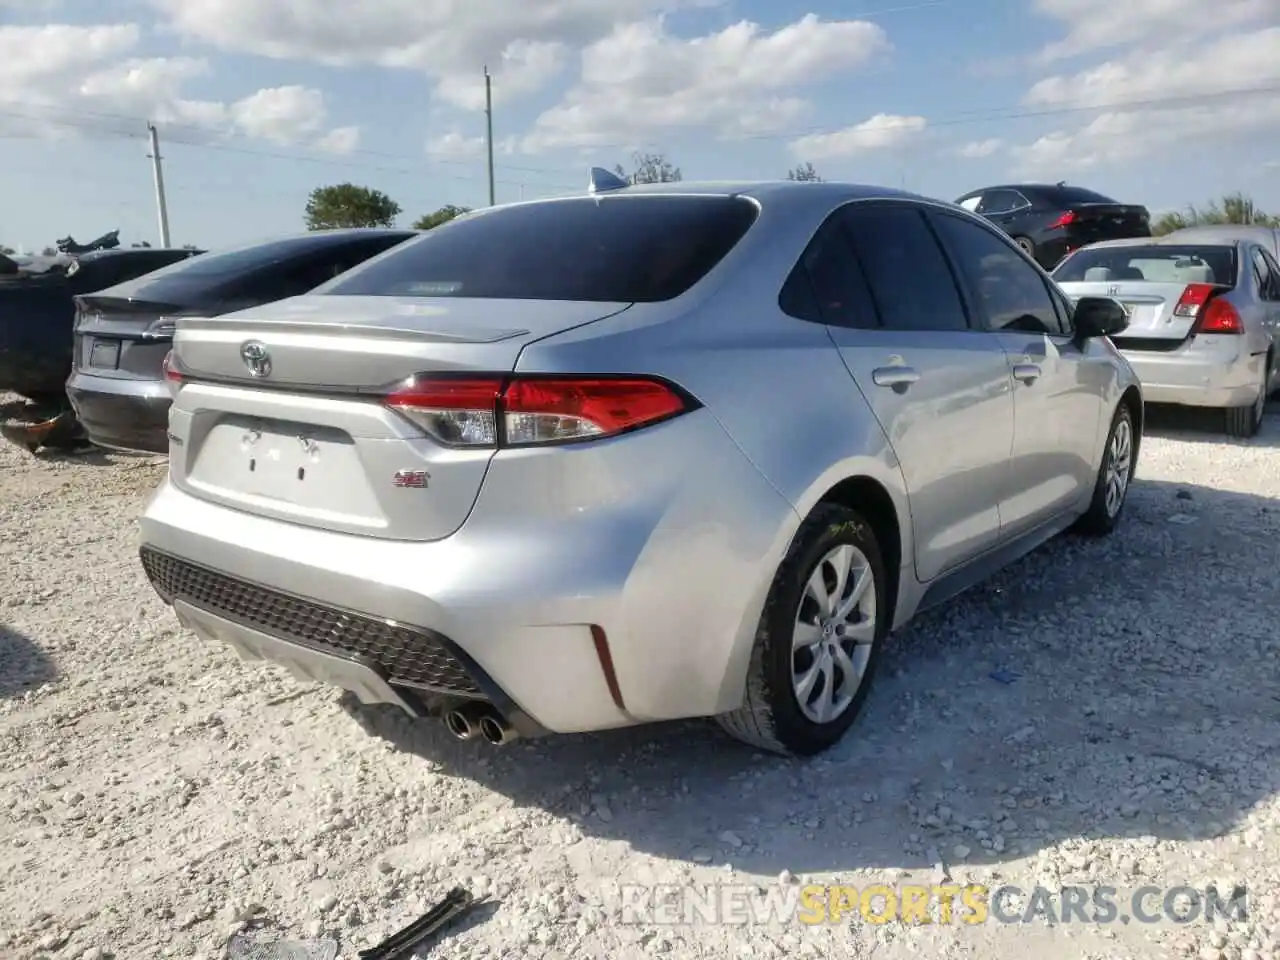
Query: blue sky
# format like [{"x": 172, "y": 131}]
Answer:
[{"x": 259, "y": 101}]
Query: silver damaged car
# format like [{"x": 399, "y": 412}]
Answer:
[{"x": 651, "y": 452}]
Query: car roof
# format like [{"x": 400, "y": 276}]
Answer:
[
  {"x": 762, "y": 190},
  {"x": 1228, "y": 232},
  {"x": 1169, "y": 239}
]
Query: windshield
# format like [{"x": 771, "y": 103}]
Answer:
[
  {"x": 1073, "y": 195},
  {"x": 637, "y": 249},
  {"x": 1157, "y": 263}
]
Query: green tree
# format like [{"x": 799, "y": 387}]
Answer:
[
  {"x": 5, "y": 251},
  {"x": 1234, "y": 208},
  {"x": 49, "y": 252},
  {"x": 650, "y": 168},
  {"x": 347, "y": 205},
  {"x": 443, "y": 215},
  {"x": 804, "y": 172}
]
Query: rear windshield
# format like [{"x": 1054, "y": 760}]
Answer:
[
  {"x": 209, "y": 271},
  {"x": 1162, "y": 263},
  {"x": 1072, "y": 195},
  {"x": 638, "y": 249}
]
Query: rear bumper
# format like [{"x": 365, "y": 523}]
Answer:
[
  {"x": 569, "y": 613},
  {"x": 1207, "y": 371},
  {"x": 123, "y": 414}
]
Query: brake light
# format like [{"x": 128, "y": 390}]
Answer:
[
  {"x": 1066, "y": 219},
  {"x": 172, "y": 373},
  {"x": 1212, "y": 314},
  {"x": 1219, "y": 316},
  {"x": 1193, "y": 299},
  {"x": 491, "y": 411}
]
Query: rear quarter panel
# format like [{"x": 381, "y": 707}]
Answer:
[{"x": 775, "y": 384}]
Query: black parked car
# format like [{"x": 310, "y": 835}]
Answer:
[
  {"x": 1049, "y": 221},
  {"x": 122, "y": 334},
  {"x": 37, "y": 313}
]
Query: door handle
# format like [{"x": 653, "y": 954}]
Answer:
[
  {"x": 1028, "y": 373},
  {"x": 896, "y": 377}
]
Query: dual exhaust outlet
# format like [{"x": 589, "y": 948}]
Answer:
[{"x": 479, "y": 719}]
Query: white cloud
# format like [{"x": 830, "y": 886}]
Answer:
[
  {"x": 340, "y": 140},
  {"x": 282, "y": 114},
  {"x": 641, "y": 82},
  {"x": 976, "y": 149},
  {"x": 59, "y": 79},
  {"x": 1161, "y": 98},
  {"x": 523, "y": 42},
  {"x": 884, "y": 131},
  {"x": 457, "y": 146},
  {"x": 1105, "y": 24},
  {"x": 523, "y": 67}
]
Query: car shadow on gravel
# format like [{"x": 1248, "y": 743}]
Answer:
[
  {"x": 1197, "y": 425},
  {"x": 23, "y": 665},
  {"x": 1098, "y": 689}
]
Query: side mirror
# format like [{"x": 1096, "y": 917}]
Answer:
[{"x": 1099, "y": 317}]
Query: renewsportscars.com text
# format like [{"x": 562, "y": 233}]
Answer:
[{"x": 969, "y": 904}]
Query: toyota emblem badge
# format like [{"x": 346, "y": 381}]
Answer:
[{"x": 255, "y": 357}]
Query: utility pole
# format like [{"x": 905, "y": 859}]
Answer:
[
  {"x": 161, "y": 208},
  {"x": 488, "y": 119}
]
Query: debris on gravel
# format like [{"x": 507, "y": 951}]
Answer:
[{"x": 1103, "y": 716}]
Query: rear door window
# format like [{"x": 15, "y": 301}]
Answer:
[
  {"x": 827, "y": 285},
  {"x": 1001, "y": 201},
  {"x": 911, "y": 283},
  {"x": 1010, "y": 293},
  {"x": 1268, "y": 283},
  {"x": 637, "y": 249}
]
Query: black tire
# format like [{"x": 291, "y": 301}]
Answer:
[
  {"x": 1100, "y": 520},
  {"x": 770, "y": 716},
  {"x": 1027, "y": 246},
  {"x": 1245, "y": 422}
]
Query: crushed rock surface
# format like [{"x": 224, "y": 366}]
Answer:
[{"x": 158, "y": 796}]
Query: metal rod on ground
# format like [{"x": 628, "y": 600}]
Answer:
[
  {"x": 488, "y": 119},
  {"x": 161, "y": 207}
]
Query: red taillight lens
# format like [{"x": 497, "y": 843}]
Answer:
[
  {"x": 172, "y": 374},
  {"x": 1193, "y": 298},
  {"x": 542, "y": 411},
  {"x": 1066, "y": 219},
  {"x": 1219, "y": 317},
  {"x": 457, "y": 411},
  {"x": 490, "y": 411},
  {"x": 1212, "y": 314}
]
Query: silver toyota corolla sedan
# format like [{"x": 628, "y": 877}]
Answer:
[
  {"x": 1204, "y": 316},
  {"x": 653, "y": 452}
]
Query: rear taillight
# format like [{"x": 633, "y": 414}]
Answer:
[
  {"x": 491, "y": 411},
  {"x": 172, "y": 374},
  {"x": 1219, "y": 316},
  {"x": 1193, "y": 298},
  {"x": 1211, "y": 313},
  {"x": 1066, "y": 219}
]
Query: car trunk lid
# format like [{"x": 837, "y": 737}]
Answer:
[
  {"x": 307, "y": 439},
  {"x": 1091, "y": 222},
  {"x": 122, "y": 338},
  {"x": 1152, "y": 308}
]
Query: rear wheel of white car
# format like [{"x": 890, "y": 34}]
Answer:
[
  {"x": 1245, "y": 422},
  {"x": 1114, "y": 475},
  {"x": 819, "y": 638}
]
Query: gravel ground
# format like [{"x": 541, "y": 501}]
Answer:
[{"x": 156, "y": 795}]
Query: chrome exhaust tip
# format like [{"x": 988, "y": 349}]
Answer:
[
  {"x": 496, "y": 730},
  {"x": 460, "y": 725}
]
